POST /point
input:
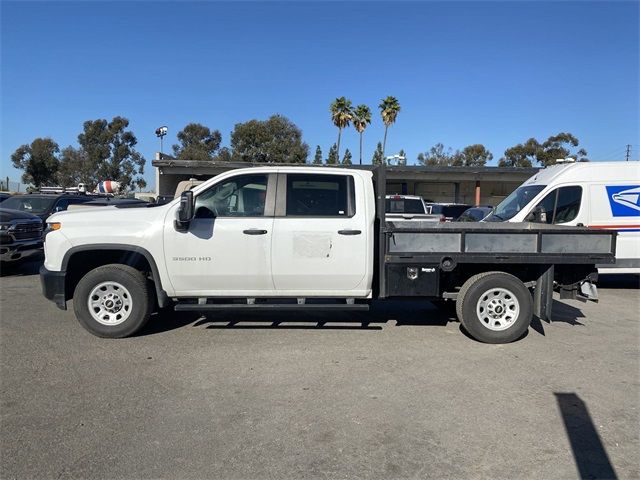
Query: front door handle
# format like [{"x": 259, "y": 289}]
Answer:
[
  {"x": 349, "y": 232},
  {"x": 254, "y": 231}
]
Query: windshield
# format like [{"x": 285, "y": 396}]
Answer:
[
  {"x": 404, "y": 205},
  {"x": 514, "y": 203},
  {"x": 29, "y": 204}
]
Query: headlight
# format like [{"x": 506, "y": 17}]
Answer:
[
  {"x": 5, "y": 226},
  {"x": 51, "y": 226}
]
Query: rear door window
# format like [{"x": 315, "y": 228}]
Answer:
[
  {"x": 404, "y": 205},
  {"x": 318, "y": 195}
]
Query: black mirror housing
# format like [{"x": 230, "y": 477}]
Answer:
[
  {"x": 538, "y": 215},
  {"x": 185, "y": 211}
]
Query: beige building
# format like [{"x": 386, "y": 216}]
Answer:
[{"x": 472, "y": 185}]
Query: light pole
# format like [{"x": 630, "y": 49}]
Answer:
[{"x": 160, "y": 133}]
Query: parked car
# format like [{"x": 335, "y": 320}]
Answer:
[
  {"x": 20, "y": 235},
  {"x": 408, "y": 207},
  {"x": 474, "y": 214},
  {"x": 4, "y": 196},
  {"x": 449, "y": 211},
  {"x": 43, "y": 204}
]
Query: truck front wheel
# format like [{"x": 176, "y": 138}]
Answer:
[
  {"x": 113, "y": 301},
  {"x": 494, "y": 307}
]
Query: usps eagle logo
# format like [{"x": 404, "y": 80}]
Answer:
[{"x": 624, "y": 200}]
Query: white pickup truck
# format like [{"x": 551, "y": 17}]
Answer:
[
  {"x": 283, "y": 238},
  {"x": 409, "y": 207}
]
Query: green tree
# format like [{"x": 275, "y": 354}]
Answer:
[
  {"x": 521, "y": 155},
  {"x": 224, "y": 155},
  {"x": 346, "y": 160},
  {"x": 110, "y": 150},
  {"x": 546, "y": 153},
  {"x": 197, "y": 142},
  {"x": 276, "y": 140},
  {"x": 389, "y": 109},
  {"x": 475, "y": 155},
  {"x": 333, "y": 158},
  {"x": 378, "y": 155},
  {"x": 361, "y": 119},
  {"x": 39, "y": 161},
  {"x": 317, "y": 159},
  {"x": 560, "y": 146},
  {"x": 75, "y": 168},
  {"x": 341, "y": 116},
  {"x": 436, "y": 156}
]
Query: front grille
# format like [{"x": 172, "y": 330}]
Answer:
[{"x": 27, "y": 231}]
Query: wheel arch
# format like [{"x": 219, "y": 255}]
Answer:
[{"x": 81, "y": 259}]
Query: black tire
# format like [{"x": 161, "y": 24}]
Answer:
[
  {"x": 134, "y": 291},
  {"x": 513, "y": 307}
]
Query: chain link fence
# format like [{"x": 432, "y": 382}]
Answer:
[{"x": 7, "y": 185}]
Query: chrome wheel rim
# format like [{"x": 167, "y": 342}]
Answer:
[
  {"x": 498, "y": 309},
  {"x": 110, "y": 303}
]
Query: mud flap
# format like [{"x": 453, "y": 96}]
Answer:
[{"x": 543, "y": 295}]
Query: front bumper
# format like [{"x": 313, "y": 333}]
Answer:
[
  {"x": 17, "y": 251},
  {"x": 53, "y": 286}
]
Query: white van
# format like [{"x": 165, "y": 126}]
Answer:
[{"x": 601, "y": 195}]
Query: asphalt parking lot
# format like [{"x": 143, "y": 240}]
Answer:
[{"x": 408, "y": 397}]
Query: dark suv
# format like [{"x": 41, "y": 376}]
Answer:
[
  {"x": 43, "y": 204},
  {"x": 20, "y": 235}
]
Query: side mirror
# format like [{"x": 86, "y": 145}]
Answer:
[
  {"x": 185, "y": 211},
  {"x": 538, "y": 215}
]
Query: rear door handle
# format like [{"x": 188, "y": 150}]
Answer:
[
  {"x": 349, "y": 232},
  {"x": 254, "y": 231}
]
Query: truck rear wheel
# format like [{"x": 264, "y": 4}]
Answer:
[
  {"x": 113, "y": 301},
  {"x": 494, "y": 307}
]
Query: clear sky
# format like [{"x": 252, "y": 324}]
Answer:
[{"x": 495, "y": 73}]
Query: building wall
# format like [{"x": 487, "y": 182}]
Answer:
[
  {"x": 492, "y": 192},
  {"x": 452, "y": 186}
]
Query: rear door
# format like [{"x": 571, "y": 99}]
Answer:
[{"x": 319, "y": 245}]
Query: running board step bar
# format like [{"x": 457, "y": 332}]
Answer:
[{"x": 182, "y": 307}]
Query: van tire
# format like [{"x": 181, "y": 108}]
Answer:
[
  {"x": 113, "y": 301},
  {"x": 494, "y": 307}
]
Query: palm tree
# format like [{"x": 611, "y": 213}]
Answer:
[
  {"x": 361, "y": 118},
  {"x": 341, "y": 115},
  {"x": 389, "y": 109}
]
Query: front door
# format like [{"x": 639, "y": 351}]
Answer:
[
  {"x": 227, "y": 249},
  {"x": 320, "y": 236}
]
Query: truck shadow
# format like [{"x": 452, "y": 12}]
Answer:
[
  {"x": 404, "y": 313},
  {"x": 22, "y": 268},
  {"x": 627, "y": 281},
  {"x": 560, "y": 312}
]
